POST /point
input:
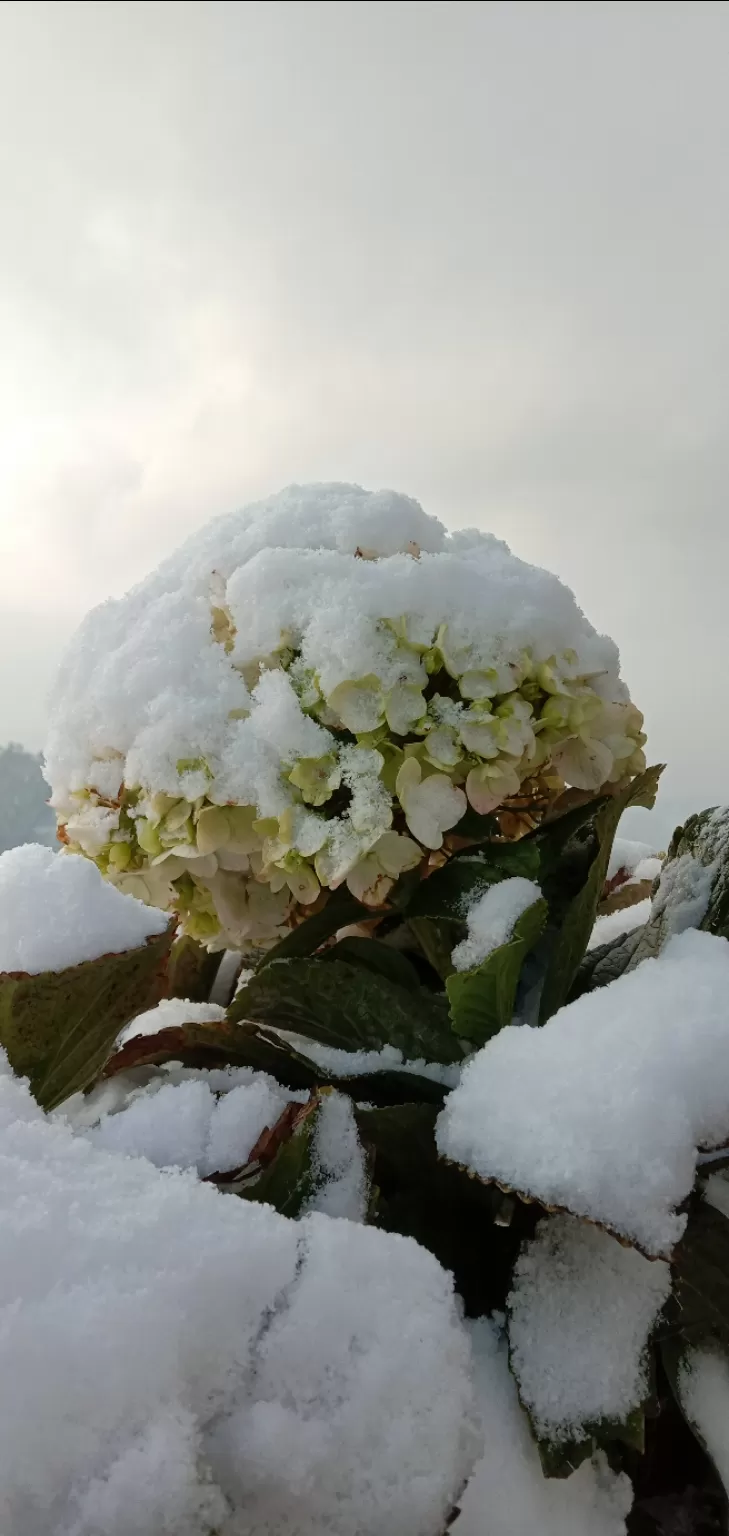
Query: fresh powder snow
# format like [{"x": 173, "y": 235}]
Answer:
[
  {"x": 508, "y": 1494},
  {"x": 56, "y": 911},
  {"x": 625, "y": 920},
  {"x": 338, "y": 1161},
  {"x": 171, "y": 1013},
  {"x": 147, "y": 690},
  {"x": 580, "y": 1312},
  {"x": 602, "y": 1110},
  {"x": 177, "y": 1360},
  {"x": 491, "y": 917}
]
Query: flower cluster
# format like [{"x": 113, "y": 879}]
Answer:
[{"x": 315, "y": 778}]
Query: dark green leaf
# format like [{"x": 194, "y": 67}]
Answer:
[
  {"x": 449, "y": 891},
  {"x": 375, "y": 956},
  {"x": 604, "y": 964},
  {"x": 423, "y": 1197},
  {"x": 577, "y": 921},
  {"x": 205, "y": 1046},
  {"x": 349, "y": 1008},
  {"x": 560, "y": 1458},
  {"x": 192, "y": 970},
  {"x": 59, "y": 1027},
  {"x": 437, "y": 937},
  {"x": 701, "y": 1271},
  {"x": 482, "y": 1000},
  {"x": 518, "y": 858},
  {"x": 341, "y": 910},
  {"x": 673, "y": 1353}
]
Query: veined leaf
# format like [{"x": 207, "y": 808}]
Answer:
[
  {"x": 59, "y": 1027},
  {"x": 349, "y": 1008},
  {"x": 701, "y": 1270},
  {"x": 437, "y": 938},
  {"x": 221, "y": 1044},
  {"x": 482, "y": 999},
  {"x": 704, "y": 879},
  {"x": 450, "y": 891}
]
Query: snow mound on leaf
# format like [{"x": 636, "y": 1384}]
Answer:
[
  {"x": 580, "y": 1313},
  {"x": 508, "y": 1494},
  {"x": 176, "y": 1360},
  {"x": 491, "y": 917},
  {"x": 57, "y": 911},
  {"x": 602, "y": 1110}
]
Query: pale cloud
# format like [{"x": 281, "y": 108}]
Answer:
[{"x": 473, "y": 251}]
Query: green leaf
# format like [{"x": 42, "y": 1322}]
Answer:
[
  {"x": 424, "y": 1197},
  {"x": 599, "y": 966},
  {"x": 192, "y": 970},
  {"x": 576, "y": 922},
  {"x": 701, "y": 1275},
  {"x": 482, "y": 999},
  {"x": 375, "y": 956},
  {"x": 59, "y": 1027},
  {"x": 349, "y": 1008},
  {"x": 341, "y": 910},
  {"x": 437, "y": 938},
  {"x": 280, "y": 1169},
  {"x": 560, "y": 1458}
]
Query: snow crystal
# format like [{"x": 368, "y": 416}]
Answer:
[
  {"x": 173, "y": 1359},
  {"x": 508, "y": 1494},
  {"x": 186, "y": 1125},
  {"x": 491, "y": 918},
  {"x": 581, "y": 1310},
  {"x": 56, "y": 911},
  {"x": 359, "y": 1063},
  {"x": 625, "y": 920},
  {"x": 170, "y": 1013},
  {"x": 703, "y": 1386},
  {"x": 602, "y": 1109},
  {"x": 149, "y": 695},
  {"x": 338, "y": 1161}
]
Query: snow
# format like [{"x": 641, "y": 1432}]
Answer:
[
  {"x": 491, "y": 918},
  {"x": 631, "y": 856},
  {"x": 57, "y": 911},
  {"x": 601, "y": 1110},
  {"x": 177, "y": 1360},
  {"x": 359, "y": 1063},
  {"x": 171, "y": 1013},
  {"x": 508, "y": 1494},
  {"x": 187, "y": 1126},
  {"x": 580, "y": 1312},
  {"x": 625, "y": 920},
  {"x": 338, "y": 1161},
  {"x": 703, "y": 1385},
  {"x": 683, "y": 894},
  {"x": 147, "y": 686}
]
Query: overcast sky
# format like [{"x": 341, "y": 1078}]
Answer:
[{"x": 476, "y": 252}]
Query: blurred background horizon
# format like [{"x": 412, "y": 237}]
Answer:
[{"x": 476, "y": 252}]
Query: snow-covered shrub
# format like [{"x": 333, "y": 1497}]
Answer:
[
  {"x": 321, "y": 690},
  {"x": 386, "y": 764}
]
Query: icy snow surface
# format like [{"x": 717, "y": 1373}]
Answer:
[
  {"x": 581, "y": 1310},
  {"x": 146, "y": 685},
  {"x": 602, "y": 1109},
  {"x": 56, "y": 910},
  {"x": 174, "y": 1360},
  {"x": 172, "y": 1011},
  {"x": 491, "y": 919},
  {"x": 704, "y": 1391},
  {"x": 508, "y": 1494}
]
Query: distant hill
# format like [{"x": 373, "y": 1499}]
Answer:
[{"x": 25, "y": 816}]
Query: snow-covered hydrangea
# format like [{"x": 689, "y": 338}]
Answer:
[{"x": 314, "y": 691}]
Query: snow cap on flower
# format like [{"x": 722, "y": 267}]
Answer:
[{"x": 315, "y": 691}]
